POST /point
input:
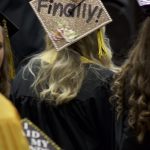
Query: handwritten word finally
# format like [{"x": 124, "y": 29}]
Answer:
[{"x": 85, "y": 11}]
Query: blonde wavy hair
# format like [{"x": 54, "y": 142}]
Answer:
[
  {"x": 133, "y": 84},
  {"x": 60, "y": 74}
]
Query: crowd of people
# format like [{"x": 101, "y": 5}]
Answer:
[{"x": 76, "y": 95}]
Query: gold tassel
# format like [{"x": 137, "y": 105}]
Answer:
[
  {"x": 8, "y": 52},
  {"x": 102, "y": 49},
  {"x": 85, "y": 60}
]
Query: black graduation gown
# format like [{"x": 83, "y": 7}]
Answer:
[{"x": 85, "y": 123}]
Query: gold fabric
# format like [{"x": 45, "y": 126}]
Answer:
[
  {"x": 103, "y": 51},
  {"x": 11, "y": 133}
]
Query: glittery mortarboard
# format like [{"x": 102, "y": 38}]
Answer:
[{"x": 67, "y": 21}]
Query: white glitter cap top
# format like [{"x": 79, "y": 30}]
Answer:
[{"x": 67, "y": 21}]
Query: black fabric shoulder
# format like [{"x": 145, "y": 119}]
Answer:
[
  {"x": 22, "y": 83},
  {"x": 95, "y": 78}
]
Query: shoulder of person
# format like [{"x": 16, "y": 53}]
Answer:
[
  {"x": 99, "y": 74},
  {"x": 96, "y": 83},
  {"x": 24, "y": 79},
  {"x": 28, "y": 72}
]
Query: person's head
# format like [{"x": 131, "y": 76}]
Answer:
[
  {"x": 6, "y": 62},
  {"x": 132, "y": 84},
  {"x": 65, "y": 70},
  {"x": 76, "y": 41}
]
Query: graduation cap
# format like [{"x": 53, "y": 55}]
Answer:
[
  {"x": 11, "y": 27},
  {"x": 67, "y": 21},
  {"x": 145, "y": 5},
  {"x": 37, "y": 139}
]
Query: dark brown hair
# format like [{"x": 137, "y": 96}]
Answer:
[{"x": 133, "y": 84}]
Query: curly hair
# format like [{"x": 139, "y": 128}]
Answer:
[{"x": 132, "y": 84}]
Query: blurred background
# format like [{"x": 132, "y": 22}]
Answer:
[{"x": 127, "y": 18}]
